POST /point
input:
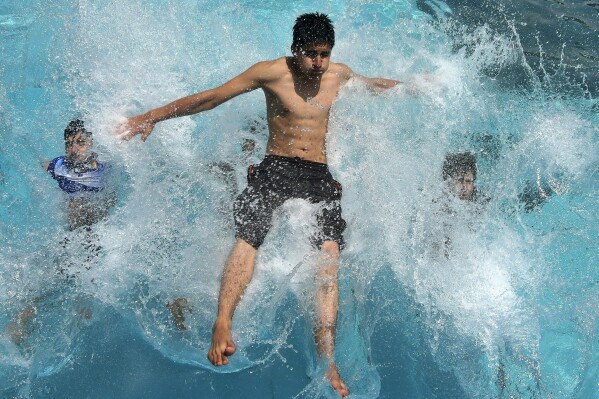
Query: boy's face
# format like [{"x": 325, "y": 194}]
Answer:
[
  {"x": 463, "y": 185},
  {"x": 77, "y": 147},
  {"x": 313, "y": 59}
]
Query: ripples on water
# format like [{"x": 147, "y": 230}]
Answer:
[{"x": 512, "y": 311}]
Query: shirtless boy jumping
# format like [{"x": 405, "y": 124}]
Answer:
[{"x": 300, "y": 91}]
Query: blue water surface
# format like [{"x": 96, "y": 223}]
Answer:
[{"x": 509, "y": 311}]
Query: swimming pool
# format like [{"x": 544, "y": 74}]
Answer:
[{"x": 511, "y": 311}]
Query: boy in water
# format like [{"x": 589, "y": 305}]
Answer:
[
  {"x": 85, "y": 181},
  {"x": 459, "y": 174},
  {"x": 459, "y": 171},
  {"x": 300, "y": 91},
  {"x": 82, "y": 177}
]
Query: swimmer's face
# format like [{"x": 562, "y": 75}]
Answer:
[
  {"x": 463, "y": 185},
  {"x": 313, "y": 59},
  {"x": 77, "y": 147}
]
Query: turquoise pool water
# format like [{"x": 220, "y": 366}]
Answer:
[{"x": 510, "y": 312}]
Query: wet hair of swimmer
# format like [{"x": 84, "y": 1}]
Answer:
[
  {"x": 313, "y": 28},
  {"x": 74, "y": 126},
  {"x": 458, "y": 164}
]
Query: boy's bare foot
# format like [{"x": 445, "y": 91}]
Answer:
[
  {"x": 336, "y": 381},
  {"x": 177, "y": 308},
  {"x": 222, "y": 344}
]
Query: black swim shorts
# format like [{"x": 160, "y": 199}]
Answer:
[{"x": 277, "y": 179}]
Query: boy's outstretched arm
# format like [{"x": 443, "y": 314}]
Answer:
[
  {"x": 418, "y": 84},
  {"x": 143, "y": 124},
  {"x": 376, "y": 85}
]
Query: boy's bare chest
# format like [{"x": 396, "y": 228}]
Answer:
[{"x": 287, "y": 100}]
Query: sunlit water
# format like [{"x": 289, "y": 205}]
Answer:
[{"x": 508, "y": 309}]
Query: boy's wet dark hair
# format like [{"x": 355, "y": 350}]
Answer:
[
  {"x": 74, "y": 126},
  {"x": 459, "y": 164},
  {"x": 313, "y": 28}
]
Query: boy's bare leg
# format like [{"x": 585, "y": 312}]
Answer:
[
  {"x": 177, "y": 307},
  {"x": 327, "y": 304},
  {"x": 17, "y": 328},
  {"x": 238, "y": 272}
]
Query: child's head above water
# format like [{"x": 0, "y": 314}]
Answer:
[
  {"x": 459, "y": 171},
  {"x": 78, "y": 142}
]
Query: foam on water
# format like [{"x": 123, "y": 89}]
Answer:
[{"x": 507, "y": 308}]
